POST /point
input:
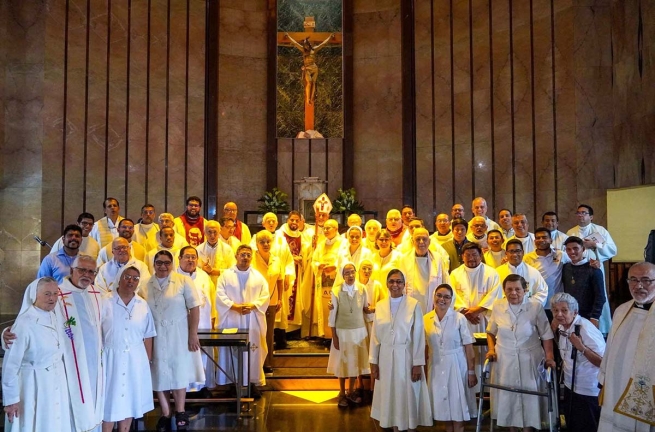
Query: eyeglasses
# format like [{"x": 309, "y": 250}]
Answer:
[
  {"x": 230, "y": 210},
  {"x": 84, "y": 271},
  {"x": 582, "y": 213},
  {"x": 445, "y": 297},
  {"x": 163, "y": 263},
  {"x": 131, "y": 278},
  {"x": 442, "y": 220},
  {"x": 245, "y": 255},
  {"x": 395, "y": 282},
  {"x": 85, "y": 223},
  {"x": 193, "y": 205},
  {"x": 396, "y": 219},
  {"x": 190, "y": 257},
  {"x": 422, "y": 240},
  {"x": 479, "y": 225},
  {"x": 645, "y": 282},
  {"x": 514, "y": 251},
  {"x": 121, "y": 248}
]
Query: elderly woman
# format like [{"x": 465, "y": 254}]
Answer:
[
  {"x": 372, "y": 227},
  {"x": 451, "y": 365},
  {"x": 580, "y": 335},
  {"x": 34, "y": 388},
  {"x": 176, "y": 360},
  {"x": 270, "y": 267},
  {"x": 127, "y": 338},
  {"x": 385, "y": 257},
  {"x": 517, "y": 329},
  {"x": 397, "y": 356}
]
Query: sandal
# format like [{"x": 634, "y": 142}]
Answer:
[
  {"x": 182, "y": 420},
  {"x": 163, "y": 424},
  {"x": 354, "y": 398},
  {"x": 343, "y": 401}
]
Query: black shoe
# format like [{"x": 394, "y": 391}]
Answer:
[
  {"x": 182, "y": 420},
  {"x": 255, "y": 392},
  {"x": 268, "y": 369},
  {"x": 163, "y": 424}
]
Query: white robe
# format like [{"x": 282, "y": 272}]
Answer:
[
  {"x": 382, "y": 266},
  {"x": 129, "y": 384},
  {"x": 104, "y": 231},
  {"x": 603, "y": 253},
  {"x": 494, "y": 259},
  {"x": 109, "y": 274},
  {"x": 248, "y": 286},
  {"x": 527, "y": 241},
  {"x": 106, "y": 253},
  {"x": 173, "y": 365},
  {"x": 146, "y": 235},
  {"x": 398, "y": 344},
  {"x": 220, "y": 256},
  {"x": 150, "y": 258},
  {"x": 33, "y": 374},
  {"x": 537, "y": 287},
  {"x": 89, "y": 246},
  {"x": 558, "y": 238},
  {"x": 323, "y": 282},
  {"x": 616, "y": 368},
  {"x": 414, "y": 284}
]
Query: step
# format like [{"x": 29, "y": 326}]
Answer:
[
  {"x": 299, "y": 360},
  {"x": 306, "y": 378}
]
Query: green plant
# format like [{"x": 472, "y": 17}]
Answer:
[
  {"x": 346, "y": 202},
  {"x": 274, "y": 201}
]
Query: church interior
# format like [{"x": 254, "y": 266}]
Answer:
[{"x": 535, "y": 105}]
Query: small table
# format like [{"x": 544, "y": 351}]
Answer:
[{"x": 238, "y": 340}]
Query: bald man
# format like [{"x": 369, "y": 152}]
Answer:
[
  {"x": 479, "y": 208},
  {"x": 395, "y": 226}
]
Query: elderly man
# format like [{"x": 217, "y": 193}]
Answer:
[
  {"x": 537, "y": 287},
  {"x": 106, "y": 229},
  {"x": 57, "y": 264},
  {"x": 599, "y": 245},
  {"x": 395, "y": 226},
  {"x": 477, "y": 232},
  {"x": 166, "y": 220},
  {"x": 166, "y": 242},
  {"x": 214, "y": 256},
  {"x": 206, "y": 289},
  {"x": 457, "y": 211},
  {"x": 109, "y": 273},
  {"x": 407, "y": 214},
  {"x": 455, "y": 246},
  {"x": 443, "y": 232},
  {"x": 521, "y": 226},
  {"x": 424, "y": 270},
  {"x": 242, "y": 298},
  {"x": 126, "y": 231},
  {"x": 550, "y": 221},
  {"x": 241, "y": 231},
  {"x": 324, "y": 263},
  {"x": 495, "y": 255},
  {"x": 626, "y": 372},
  {"x": 145, "y": 232},
  {"x": 227, "y": 234},
  {"x": 88, "y": 246},
  {"x": 505, "y": 222},
  {"x": 191, "y": 224},
  {"x": 81, "y": 310},
  {"x": 407, "y": 244},
  {"x": 583, "y": 281},
  {"x": 479, "y": 208}
]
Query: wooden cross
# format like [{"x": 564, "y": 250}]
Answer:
[{"x": 317, "y": 40}]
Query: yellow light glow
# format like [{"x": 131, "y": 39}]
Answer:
[{"x": 314, "y": 396}]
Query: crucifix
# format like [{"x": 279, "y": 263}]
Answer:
[{"x": 309, "y": 43}]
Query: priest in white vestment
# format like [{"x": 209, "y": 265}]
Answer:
[
  {"x": 106, "y": 229},
  {"x": 505, "y": 222},
  {"x": 167, "y": 243},
  {"x": 626, "y": 372},
  {"x": 477, "y": 232},
  {"x": 227, "y": 234},
  {"x": 537, "y": 287},
  {"x": 109, "y": 273},
  {"x": 599, "y": 245},
  {"x": 495, "y": 255},
  {"x": 89, "y": 245},
  {"x": 479, "y": 209},
  {"x": 521, "y": 227},
  {"x": 443, "y": 231},
  {"x": 214, "y": 256},
  {"x": 550, "y": 221},
  {"x": 126, "y": 231},
  {"x": 166, "y": 220},
  {"x": 424, "y": 270},
  {"x": 145, "y": 232},
  {"x": 242, "y": 298}
]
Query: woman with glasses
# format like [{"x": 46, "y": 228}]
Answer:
[
  {"x": 176, "y": 361},
  {"x": 127, "y": 337},
  {"x": 384, "y": 256},
  {"x": 451, "y": 362},
  {"x": 397, "y": 356}
]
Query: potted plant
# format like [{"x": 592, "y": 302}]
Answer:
[
  {"x": 346, "y": 203},
  {"x": 274, "y": 201}
]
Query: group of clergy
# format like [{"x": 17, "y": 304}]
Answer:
[{"x": 283, "y": 277}]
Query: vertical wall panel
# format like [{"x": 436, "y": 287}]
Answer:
[{"x": 196, "y": 100}]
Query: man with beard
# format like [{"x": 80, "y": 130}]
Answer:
[
  {"x": 126, "y": 231},
  {"x": 626, "y": 372},
  {"x": 80, "y": 310},
  {"x": 145, "y": 232},
  {"x": 105, "y": 229},
  {"x": 537, "y": 288},
  {"x": 457, "y": 211},
  {"x": 88, "y": 246},
  {"x": 214, "y": 256},
  {"x": 190, "y": 224},
  {"x": 505, "y": 222},
  {"x": 57, "y": 265},
  {"x": 109, "y": 273},
  {"x": 550, "y": 221},
  {"x": 479, "y": 208},
  {"x": 241, "y": 230},
  {"x": 291, "y": 306},
  {"x": 477, "y": 232},
  {"x": 521, "y": 226}
]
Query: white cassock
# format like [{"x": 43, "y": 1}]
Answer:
[
  {"x": 482, "y": 242},
  {"x": 106, "y": 254},
  {"x": 494, "y": 259},
  {"x": 383, "y": 265},
  {"x": 173, "y": 365},
  {"x": 398, "y": 344},
  {"x": 537, "y": 287},
  {"x": 327, "y": 252},
  {"x": 605, "y": 251},
  {"x": 129, "y": 384},
  {"x": 407, "y": 246},
  {"x": 89, "y": 246},
  {"x": 558, "y": 238},
  {"x": 150, "y": 258},
  {"x": 243, "y": 286},
  {"x": 232, "y": 242},
  {"x": 527, "y": 241},
  {"x": 104, "y": 230},
  {"x": 33, "y": 374},
  {"x": 280, "y": 249},
  {"x": 146, "y": 235},
  {"x": 109, "y": 274},
  {"x": 305, "y": 286},
  {"x": 440, "y": 239},
  {"x": 219, "y": 256},
  {"x": 207, "y": 293},
  {"x": 362, "y": 253},
  {"x": 422, "y": 277},
  {"x": 626, "y": 372}
]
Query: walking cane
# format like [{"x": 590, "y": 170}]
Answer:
[{"x": 574, "y": 357}]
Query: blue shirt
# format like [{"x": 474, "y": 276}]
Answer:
[{"x": 57, "y": 265}]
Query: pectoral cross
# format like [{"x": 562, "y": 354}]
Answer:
[{"x": 309, "y": 42}]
